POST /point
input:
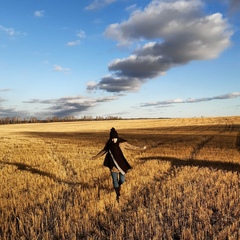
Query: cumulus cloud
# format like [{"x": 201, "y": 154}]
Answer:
[
  {"x": 191, "y": 100},
  {"x": 119, "y": 84},
  {"x": 91, "y": 86},
  {"x": 97, "y": 4},
  {"x": 68, "y": 106},
  {"x": 39, "y": 13},
  {"x": 168, "y": 34}
]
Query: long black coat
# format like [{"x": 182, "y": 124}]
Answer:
[{"x": 114, "y": 156}]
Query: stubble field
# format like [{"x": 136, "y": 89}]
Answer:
[{"x": 184, "y": 186}]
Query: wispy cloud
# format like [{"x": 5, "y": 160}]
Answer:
[
  {"x": 220, "y": 97},
  {"x": 2, "y": 99},
  {"x": 73, "y": 43},
  {"x": 97, "y": 4},
  {"x": 9, "y": 111},
  {"x": 69, "y": 106},
  {"x": 191, "y": 100},
  {"x": 11, "y": 32},
  {"x": 5, "y": 89},
  {"x": 98, "y": 21},
  {"x": 12, "y": 112},
  {"x": 162, "y": 103},
  {"x": 168, "y": 34},
  {"x": 131, "y": 8},
  {"x": 39, "y": 13},
  {"x": 58, "y": 68},
  {"x": 80, "y": 35}
]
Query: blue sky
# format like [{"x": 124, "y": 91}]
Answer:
[{"x": 124, "y": 58}]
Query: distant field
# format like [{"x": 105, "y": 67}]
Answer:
[{"x": 186, "y": 185}]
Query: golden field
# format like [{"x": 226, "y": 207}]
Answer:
[{"x": 184, "y": 186}]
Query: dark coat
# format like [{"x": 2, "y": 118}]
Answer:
[{"x": 114, "y": 156}]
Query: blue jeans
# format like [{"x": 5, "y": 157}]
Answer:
[{"x": 118, "y": 179}]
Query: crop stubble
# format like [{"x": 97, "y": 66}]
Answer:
[{"x": 184, "y": 186}]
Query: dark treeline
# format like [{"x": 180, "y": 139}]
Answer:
[{"x": 18, "y": 120}]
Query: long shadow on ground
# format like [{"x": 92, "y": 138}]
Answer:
[
  {"x": 33, "y": 170},
  {"x": 219, "y": 165}
]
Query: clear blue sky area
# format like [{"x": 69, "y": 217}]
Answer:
[{"x": 124, "y": 58}]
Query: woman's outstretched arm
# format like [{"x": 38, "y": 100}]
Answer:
[
  {"x": 128, "y": 146},
  {"x": 101, "y": 153}
]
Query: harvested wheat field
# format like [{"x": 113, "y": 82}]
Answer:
[{"x": 184, "y": 186}]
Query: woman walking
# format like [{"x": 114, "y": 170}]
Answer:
[{"x": 115, "y": 159}]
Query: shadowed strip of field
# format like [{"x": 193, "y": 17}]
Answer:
[
  {"x": 238, "y": 142},
  {"x": 219, "y": 165}
]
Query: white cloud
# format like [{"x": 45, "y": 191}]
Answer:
[
  {"x": 58, "y": 68},
  {"x": 131, "y": 8},
  {"x": 80, "y": 34},
  {"x": 74, "y": 43},
  {"x": 97, "y": 4},
  {"x": 39, "y": 13},
  {"x": 11, "y": 31}
]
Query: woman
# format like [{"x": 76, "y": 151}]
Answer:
[{"x": 115, "y": 159}]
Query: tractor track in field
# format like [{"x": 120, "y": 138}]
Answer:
[
  {"x": 193, "y": 130},
  {"x": 192, "y": 160},
  {"x": 228, "y": 127},
  {"x": 200, "y": 146}
]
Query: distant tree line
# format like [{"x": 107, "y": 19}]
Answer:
[{"x": 17, "y": 119}]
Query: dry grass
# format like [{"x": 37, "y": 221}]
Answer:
[{"x": 184, "y": 186}]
